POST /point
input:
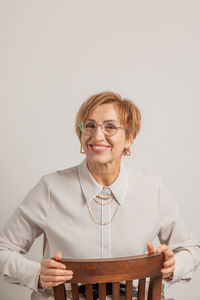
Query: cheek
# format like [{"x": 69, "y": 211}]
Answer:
[
  {"x": 119, "y": 144},
  {"x": 83, "y": 140},
  {"x": 120, "y": 141}
]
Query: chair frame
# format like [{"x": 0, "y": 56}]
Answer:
[{"x": 115, "y": 270}]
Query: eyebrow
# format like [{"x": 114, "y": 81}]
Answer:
[{"x": 104, "y": 120}]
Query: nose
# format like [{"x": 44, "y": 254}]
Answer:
[{"x": 99, "y": 135}]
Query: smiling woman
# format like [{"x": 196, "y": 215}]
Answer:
[
  {"x": 108, "y": 125},
  {"x": 104, "y": 152},
  {"x": 129, "y": 114},
  {"x": 82, "y": 211}
]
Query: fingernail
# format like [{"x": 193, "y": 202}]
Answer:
[{"x": 63, "y": 267}]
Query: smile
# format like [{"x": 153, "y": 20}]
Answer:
[{"x": 99, "y": 148}]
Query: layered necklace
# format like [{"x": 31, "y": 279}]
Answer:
[{"x": 108, "y": 200}]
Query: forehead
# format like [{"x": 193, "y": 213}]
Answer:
[{"x": 108, "y": 111}]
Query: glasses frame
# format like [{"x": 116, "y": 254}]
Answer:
[{"x": 101, "y": 126}]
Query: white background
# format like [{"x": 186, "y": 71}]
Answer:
[{"x": 54, "y": 54}]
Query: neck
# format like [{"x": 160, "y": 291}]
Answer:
[{"x": 104, "y": 174}]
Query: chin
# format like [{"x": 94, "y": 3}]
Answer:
[{"x": 100, "y": 159}]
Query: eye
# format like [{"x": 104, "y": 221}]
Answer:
[
  {"x": 90, "y": 125},
  {"x": 110, "y": 126}
]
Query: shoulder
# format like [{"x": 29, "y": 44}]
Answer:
[
  {"x": 56, "y": 182},
  {"x": 59, "y": 176},
  {"x": 144, "y": 177},
  {"x": 151, "y": 182},
  {"x": 151, "y": 186}
]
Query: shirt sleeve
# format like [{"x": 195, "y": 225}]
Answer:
[
  {"x": 174, "y": 232},
  {"x": 26, "y": 224}
]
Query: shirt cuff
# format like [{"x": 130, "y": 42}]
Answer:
[
  {"x": 183, "y": 267},
  {"x": 20, "y": 270},
  {"x": 41, "y": 290}
]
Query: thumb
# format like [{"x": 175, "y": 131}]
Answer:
[
  {"x": 58, "y": 255},
  {"x": 150, "y": 248}
]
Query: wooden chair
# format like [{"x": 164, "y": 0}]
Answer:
[{"x": 114, "y": 270}]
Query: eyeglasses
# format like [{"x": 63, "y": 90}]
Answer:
[{"x": 109, "y": 128}]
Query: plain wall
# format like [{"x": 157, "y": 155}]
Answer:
[{"x": 54, "y": 54}]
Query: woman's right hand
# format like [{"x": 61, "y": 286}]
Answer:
[{"x": 53, "y": 273}]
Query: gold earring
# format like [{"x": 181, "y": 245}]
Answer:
[
  {"x": 127, "y": 152},
  {"x": 81, "y": 150}
]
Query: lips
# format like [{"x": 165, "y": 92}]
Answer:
[{"x": 98, "y": 147}]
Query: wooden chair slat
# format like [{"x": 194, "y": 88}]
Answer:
[
  {"x": 115, "y": 290},
  {"x": 156, "y": 288},
  {"x": 129, "y": 289},
  {"x": 102, "y": 291},
  {"x": 150, "y": 289},
  {"x": 88, "y": 290},
  {"x": 75, "y": 294},
  {"x": 59, "y": 292},
  {"x": 141, "y": 289}
]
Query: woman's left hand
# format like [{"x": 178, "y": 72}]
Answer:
[{"x": 169, "y": 263}]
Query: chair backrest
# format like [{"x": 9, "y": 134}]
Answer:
[{"x": 114, "y": 270}]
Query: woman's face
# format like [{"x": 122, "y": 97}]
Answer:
[{"x": 100, "y": 148}]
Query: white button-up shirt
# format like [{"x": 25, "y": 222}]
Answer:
[{"x": 63, "y": 207}]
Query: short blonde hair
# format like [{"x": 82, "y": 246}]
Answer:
[{"x": 129, "y": 114}]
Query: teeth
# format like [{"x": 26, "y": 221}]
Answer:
[{"x": 99, "y": 147}]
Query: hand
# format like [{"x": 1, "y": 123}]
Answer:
[
  {"x": 53, "y": 273},
  {"x": 169, "y": 263}
]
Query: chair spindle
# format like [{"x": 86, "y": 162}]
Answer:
[
  {"x": 75, "y": 293},
  {"x": 102, "y": 291},
  {"x": 141, "y": 289},
  {"x": 129, "y": 289},
  {"x": 88, "y": 289},
  {"x": 115, "y": 290}
]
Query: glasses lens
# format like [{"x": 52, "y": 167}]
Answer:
[
  {"x": 89, "y": 127},
  {"x": 110, "y": 128}
]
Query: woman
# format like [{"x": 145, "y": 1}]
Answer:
[{"x": 97, "y": 209}]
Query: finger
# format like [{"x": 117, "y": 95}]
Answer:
[
  {"x": 166, "y": 250},
  {"x": 169, "y": 254},
  {"x": 55, "y": 278},
  {"x": 48, "y": 285},
  {"x": 169, "y": 262},
  {"x": 58, "y": 255},
  {"x": 168, "y": 270},
  {"x": 55, "y": 272},
  {"x": 150, "y": 248},
  {"x": 50, "y": 263},
  {"x": 162, "y": 248}
]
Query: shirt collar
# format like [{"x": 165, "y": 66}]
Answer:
[{"x": 91, "y": 187}]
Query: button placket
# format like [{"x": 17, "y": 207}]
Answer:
[
  {"x": 106, "y": 229},
  {"x": 106, "y": 235}
]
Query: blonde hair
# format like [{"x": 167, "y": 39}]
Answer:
[{"x": 129, "y": 114}]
